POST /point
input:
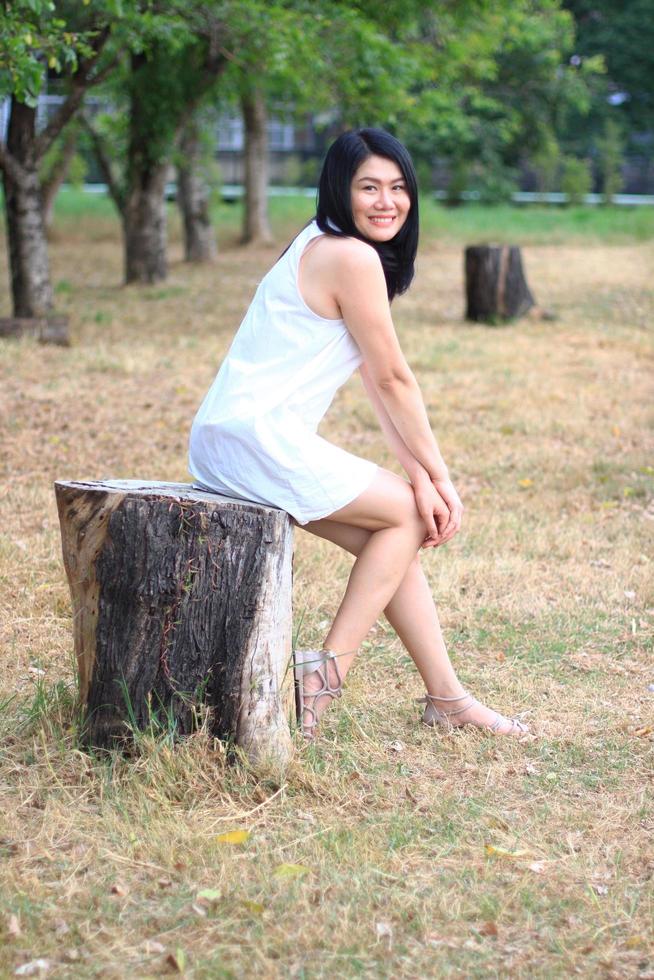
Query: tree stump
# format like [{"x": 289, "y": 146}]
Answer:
[
  {"x": 181, "y": 606},
  {"x": 496, "y": 288}
]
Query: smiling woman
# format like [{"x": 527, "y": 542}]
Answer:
[{"x": 320, "y": 312}]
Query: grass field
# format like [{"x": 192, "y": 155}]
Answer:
[{"x": 389, "y": 850}]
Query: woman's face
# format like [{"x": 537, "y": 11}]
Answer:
[{"x": 380, "y": 199}]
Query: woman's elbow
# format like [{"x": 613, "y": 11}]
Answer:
[{"x": 395, "y": 379}]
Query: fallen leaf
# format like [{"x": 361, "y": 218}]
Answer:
[
  {"x": 526, "y": 482},
  {"x": 13, "y": 927},
  {"x": 635, "y": 941},
  {"x": 397, "y": 746},
  {"x": 488, "y": 929},
  {"x": 152, "y": 946},
  {"x": 538, "y": 867},
  {"x": 410, "y": 796},
  {"x": 645, "y": 730},
  {"x": 256, "y": 907},
  {"x": 291, "y": 870},
  {"x": 209, "y": 895},
  {"x": 33, "y": 969},
  {"x": 177, "y": 960},
  {"x": 500, "y": 852},
  {"x": 384, "y": 930},
  {"x": 164, "y": 883},
  {"x": 233, "y": 837},
  {"x": 199, "y": 910},
  {"x": 501, "y": 656}
]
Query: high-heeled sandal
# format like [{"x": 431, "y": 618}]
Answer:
[
  {"x": 308, "y": 662},
  {"x": 433, "y": 716}
]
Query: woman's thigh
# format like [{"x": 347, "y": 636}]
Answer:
[{"x": 387, "y": 502}]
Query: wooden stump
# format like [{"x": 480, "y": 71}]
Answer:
[
  {"x": 496, "y": 288},
  {"x": 181, "y": 604}
]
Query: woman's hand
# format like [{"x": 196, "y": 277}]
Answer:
[
  {"x": 446, "y": 491},
  {"x": 439, "y": 506}
]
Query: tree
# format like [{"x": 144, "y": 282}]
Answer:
[
  {"x": 35, "y": 37},
  {"x": 193, "y": 191}
]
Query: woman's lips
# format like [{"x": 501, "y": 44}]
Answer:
[{"x": 381, "y": 219}]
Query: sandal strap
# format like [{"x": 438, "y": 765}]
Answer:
[
  {"x": 320, "y": 666},
  {"x": 448, "y": 712}
]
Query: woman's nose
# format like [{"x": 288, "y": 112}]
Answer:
[{"x": 384, "y": 200}]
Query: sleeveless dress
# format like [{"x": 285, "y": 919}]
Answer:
[{"x": 254, "y": 436}]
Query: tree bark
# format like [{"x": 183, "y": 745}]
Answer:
[
  {"x": 256, "y": 227},
  {"x": 31, "y": 289},
  {"x": 145, "y": 226},
  {"x": 193, "y": 199},
  {"x": 496, "y": 288},
  {"x": 181, "y": 608},
  {"x": 47, "y": 330}
]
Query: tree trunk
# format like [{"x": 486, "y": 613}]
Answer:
[
  {"x": 256, "y": 228},
  {"x": 144, "y": 227},
  {"x": 193, "y": 199},
  {"x": 31, "y": 288},
  {"x": 496, "y": 288},
  {"x": 47, "y": 330},
  {"x": 181, "y": 609}
]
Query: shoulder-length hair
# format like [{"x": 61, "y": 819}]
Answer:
[{"x": 334, "y": 204}]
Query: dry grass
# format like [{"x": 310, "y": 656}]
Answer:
[{"x": 426, "y": 855}]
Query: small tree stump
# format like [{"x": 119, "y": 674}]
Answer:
[
  {"x": 181, "y": 604},
  {"x": 496, "y": 288}
]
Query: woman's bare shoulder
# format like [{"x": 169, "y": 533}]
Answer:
[{"x": 349, "y": 254}]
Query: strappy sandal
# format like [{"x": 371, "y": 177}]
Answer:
[
  {"x": 434, "y": 716},
  {"x": 308, "y": 662}
]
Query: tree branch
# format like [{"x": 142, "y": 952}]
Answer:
[
  {"x": 82, "y": 80},
  {"x": 116, "y": 192},
  {"x": 12, "y": 167}
]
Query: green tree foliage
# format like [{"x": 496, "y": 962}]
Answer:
[
  {"x": 623, "y": 35},
  {"x": 576, "y": 179},
  {"x": 610, "y": 150}
]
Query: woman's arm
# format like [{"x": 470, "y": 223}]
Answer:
[
  {"x": 360, "y": 290},
  {"x": 410, "y": 464}
]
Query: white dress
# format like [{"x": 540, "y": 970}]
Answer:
[{"x": 254, "y": 435}]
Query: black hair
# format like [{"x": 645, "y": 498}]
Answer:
[{"x": 334, "y": 204}]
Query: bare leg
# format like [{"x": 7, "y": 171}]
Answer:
[{"x": 412, "y": 613}]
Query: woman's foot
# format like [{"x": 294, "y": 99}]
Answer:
[
  {"x": 455, "y": 712},
  {"x": 317, "y": 682}
]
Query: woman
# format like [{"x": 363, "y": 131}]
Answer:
[{"x": 321, "y": 311}]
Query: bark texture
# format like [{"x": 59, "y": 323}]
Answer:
[
  {"x": 145, "y": 227},
  {"x": 181, "y": 605},
  {"x": 47, "y": 330},
  {"x": 256, "y": 227},
  {"x": 193, "y": 199},
  {"x": 496, "y": 288},
  {"x": 26, "y": 235}
]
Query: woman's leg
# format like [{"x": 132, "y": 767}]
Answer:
[{"x": 412, "y": 613}]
